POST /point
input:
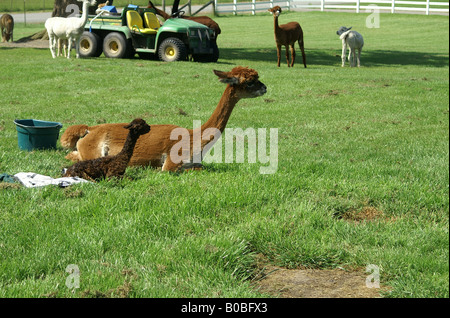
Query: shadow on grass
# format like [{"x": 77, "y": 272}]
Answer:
[
  {"x": 332, "y": 57},
  {"x": 387, "y": 57}
]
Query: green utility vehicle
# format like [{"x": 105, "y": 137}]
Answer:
[{"x": 138, "y": 30}]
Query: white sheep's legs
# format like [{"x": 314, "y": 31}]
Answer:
[
  {"x": 69, "y": 47},
  {"x": 77, "y": 46},
  {"x": 62, "y": 46},
  {"x": 75, "y": 43},
  {"x": 359, "y": 57},
  {"x": 352, "y": 57},
  {"x": 65, "y": 46},
  {"x": 52, "y": 43},
  {"x": 344, "y": 53},
  {"x": 59, "y": 47}
]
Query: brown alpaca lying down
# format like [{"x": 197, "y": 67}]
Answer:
[
  {"x": 154, "y": 149},
  {"x": 110, "y": 166}
]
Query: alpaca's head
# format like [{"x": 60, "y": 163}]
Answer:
[
  {"x": 245, "y": 82},
  {"x": 342, "y": 30},
  {"x": 138, "y": 126},
  {"x": 275, "y": 11}
]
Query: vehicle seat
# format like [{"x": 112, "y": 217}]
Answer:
[
  {"x": 136, "y": 25},
  {"x": 151, "y": 21}
]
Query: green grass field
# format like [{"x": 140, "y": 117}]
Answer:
[{"x": 351, "y": 141}]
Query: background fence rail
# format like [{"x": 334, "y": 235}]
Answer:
[{"x": 426, "y": 6}]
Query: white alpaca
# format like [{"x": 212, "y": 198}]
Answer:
[
  {"x": 354, "y": 41},
  {"x": 67, "y": 29}
]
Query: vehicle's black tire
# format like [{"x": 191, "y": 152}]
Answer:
[
  {"x": 90, "y": 45},
  {"x": 172, "y": 49},
  {"x": 115, "y": 45},
  {"x": 208, "y": 58}
]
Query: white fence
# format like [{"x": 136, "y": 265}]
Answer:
[{"x": 393, "y": 6}]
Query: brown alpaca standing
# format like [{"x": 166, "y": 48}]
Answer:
[
  {"x": 287, "y": 34},
  {"x": 111, "y": 166},
  {"x": 210, "y": 23},
  {"x": 7, "y": 27},
  {"x": 154, "y": 149}
]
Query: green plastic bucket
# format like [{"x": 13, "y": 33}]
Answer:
[{"x": 37, "y": 134}]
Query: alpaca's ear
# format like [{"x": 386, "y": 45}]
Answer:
[
  {"x": 349, "y": 28},
  {"x": 225, "y": 78}
]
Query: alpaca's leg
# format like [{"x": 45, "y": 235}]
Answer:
[
  {"x": 69, "y": 47},
  {"x": 344, "y": 53},
  {"x": 59, "y": 47},
  {"x": 65, "y": 48},
  {"x": 286, "y": 47},
  {"x": 278, "y": 54},
  {"x": 73, "y": 156},
  {"x": 52, "y": 44},
  {"x": 302, "y": 48},
  {"x": 292, "y": 55},
  {"x": 350, "y": 55},
  {"x": 77, "y": 46},
  {"x": 169, "y": 165}
]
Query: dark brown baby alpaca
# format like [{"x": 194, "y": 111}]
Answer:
[{"x": 110, "y": 166}]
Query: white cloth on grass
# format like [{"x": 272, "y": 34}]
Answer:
[{"x": 32, "y": 180}]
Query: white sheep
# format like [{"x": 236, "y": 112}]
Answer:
[
  {"x": 67, "y": 29},
  {"x": 354, "y": 41}
]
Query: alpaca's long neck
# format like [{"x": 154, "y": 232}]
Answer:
[
  {"x": 128, "y": 146},
  {"x": 84, "y": 15},
  {"x": 221, "y": 114},
  {"x": 162, "y": 13},
  {"x": 275, "y": 23}
]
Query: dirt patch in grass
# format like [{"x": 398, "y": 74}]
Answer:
[
  {"x": 322, "y": 283},
  {"x": 35, "y": 44},
  {"x": 367, "y": 213},
  {"x": 316, "y": 283}
]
